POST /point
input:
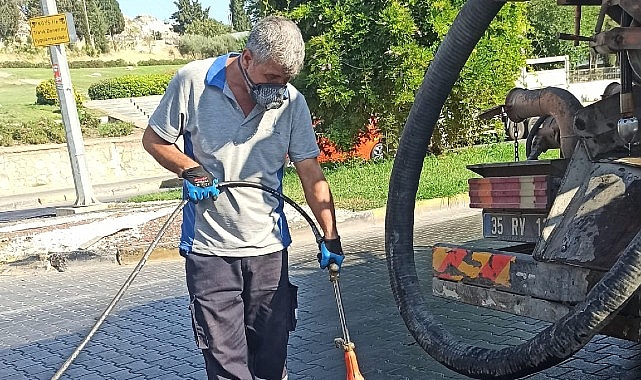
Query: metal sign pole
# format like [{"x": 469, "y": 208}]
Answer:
[{"x": 75, "y": 144}]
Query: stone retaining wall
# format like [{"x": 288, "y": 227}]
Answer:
[{"x": 39, "y": 168}]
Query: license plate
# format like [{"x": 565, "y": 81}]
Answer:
[{"x": 513, "y": 227}]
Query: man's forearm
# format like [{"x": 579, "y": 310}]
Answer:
[
  {"x": 321, "y": 203},
  {"x": 318, "y": 195}
]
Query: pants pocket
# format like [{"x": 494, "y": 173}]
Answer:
[
  {"x": 292, "y": 292},
  {"x": 197, "y": 324}
]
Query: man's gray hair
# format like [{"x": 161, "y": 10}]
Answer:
[{"x": 279, "y": 39}]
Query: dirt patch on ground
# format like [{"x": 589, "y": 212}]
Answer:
[
  {"x": 121, "y": 234},
  {"x": 33, "y": 82},
  {"x": 159, "y": 50}
]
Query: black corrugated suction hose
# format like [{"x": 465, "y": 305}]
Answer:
[{"x": 552, "y": 345}]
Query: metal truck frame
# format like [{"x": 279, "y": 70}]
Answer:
[{"x": 562, "y": 238}]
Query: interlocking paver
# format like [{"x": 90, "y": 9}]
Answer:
[
  {"x": 138, "y": 365},
  {"x": 557, "y": 372},
  {"x": 148, "y": 335},
  {"x": 625, "y": 364},
  {"x": 15, "y": 376}
]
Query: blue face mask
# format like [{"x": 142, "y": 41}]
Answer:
[{"x": 269, "y": 95}]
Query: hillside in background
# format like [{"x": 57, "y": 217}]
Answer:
[{"x": 144, "y": 38}]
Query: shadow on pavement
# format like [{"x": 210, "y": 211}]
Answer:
[
  {"x": 16, "y": 215},
  {"x": 148, "y": 336}
]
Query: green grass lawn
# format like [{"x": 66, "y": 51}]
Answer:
[
  {"x": 361, "y": 185},
  {"x": 18, "y": 88},
  {"x": 356, "y": 185}
]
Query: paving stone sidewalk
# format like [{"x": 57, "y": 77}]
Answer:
[
  {"x": 45, "y": 314},
  {"x": 136, "y": 110}
]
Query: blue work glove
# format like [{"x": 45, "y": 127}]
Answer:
[
  {"x": 199, "y": 184},
  {"x": 331, "y": 251}
]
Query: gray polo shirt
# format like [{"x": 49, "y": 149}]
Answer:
[{"x": 199, "y": 105}]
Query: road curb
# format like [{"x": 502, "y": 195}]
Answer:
[
  {"x": 426, "y": 205},
  {"x": 375, "y": 215},
  {"x": 168, "y": 251},
  {"x": 103, "y": 192}
]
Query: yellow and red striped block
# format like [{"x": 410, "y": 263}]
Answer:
[
  {"x": 455, "y": 264},
  {"x": 518, "y": 192}
]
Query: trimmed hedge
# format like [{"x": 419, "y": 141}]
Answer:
[
  {"x": 24, "y": 65},
  {"x": 163, "y": 62},
  {"x": 129, "y": 86},
  {"x": 93, "y": 63},
  {"x": 46, "y": 94},
  {"x": 46, "y": 131}
]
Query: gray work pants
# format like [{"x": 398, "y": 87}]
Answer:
[{"x": 242, "y": 311}]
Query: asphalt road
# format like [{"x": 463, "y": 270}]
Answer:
[{"x": 44, "y": 315}]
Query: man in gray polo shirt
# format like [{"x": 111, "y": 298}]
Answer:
[{"x": 239, "y": 118}]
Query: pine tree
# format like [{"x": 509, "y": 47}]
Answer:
[
  {"x": 188, "y": 12},
  {"x": 113, "y": 16},
  {"x": 98, "y": 25},
  {"x": 239, "y": 17},
  {"x": 9, "y": 16}
]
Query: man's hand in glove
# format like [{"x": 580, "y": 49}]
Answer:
[
  {"x": 199, "y": 184},
  {"x": 331, "y": 251}
]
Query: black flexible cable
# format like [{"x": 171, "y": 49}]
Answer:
[
  {"x": 153, "y": 244},
  {"x": 121, "y": 292},
  {"x": 276, "y": 193}
]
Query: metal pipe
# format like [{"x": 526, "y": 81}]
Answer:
[
  {"x": 333, "y": 277},
  {"x": 626, "y": 98},
  {"x": 577, "y": 24},
  {"x": 556, "y": 102}
]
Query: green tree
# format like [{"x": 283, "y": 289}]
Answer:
[
  {"x": 488, "y": 75},
  {"x": 98, "y": 25},
  {"x": 31, "y": 8},
  {"x": 260, "y": 8},
  {"x": 547, "y": 20},
  {"x": 239, "y": 17},
  {"x": 369, "y": 58},
  {"x": 198, "y": 46},
  {"x": 9, "y": 16},
  {"x": 208, "y": 28},
  {"x": 188, "y": 12},
  {"x": 114, "y": 19}
]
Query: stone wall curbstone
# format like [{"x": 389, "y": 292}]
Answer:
[
  {"x": 42, "y": 173},
  {"x": 421, "y": 206}
]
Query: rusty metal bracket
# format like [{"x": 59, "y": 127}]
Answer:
[{"x": 617, "y": 39}]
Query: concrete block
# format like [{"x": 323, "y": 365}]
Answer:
[{"x": 74, "y": 210}]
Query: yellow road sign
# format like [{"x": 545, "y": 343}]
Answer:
[{"x": 51, "y": 30}]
